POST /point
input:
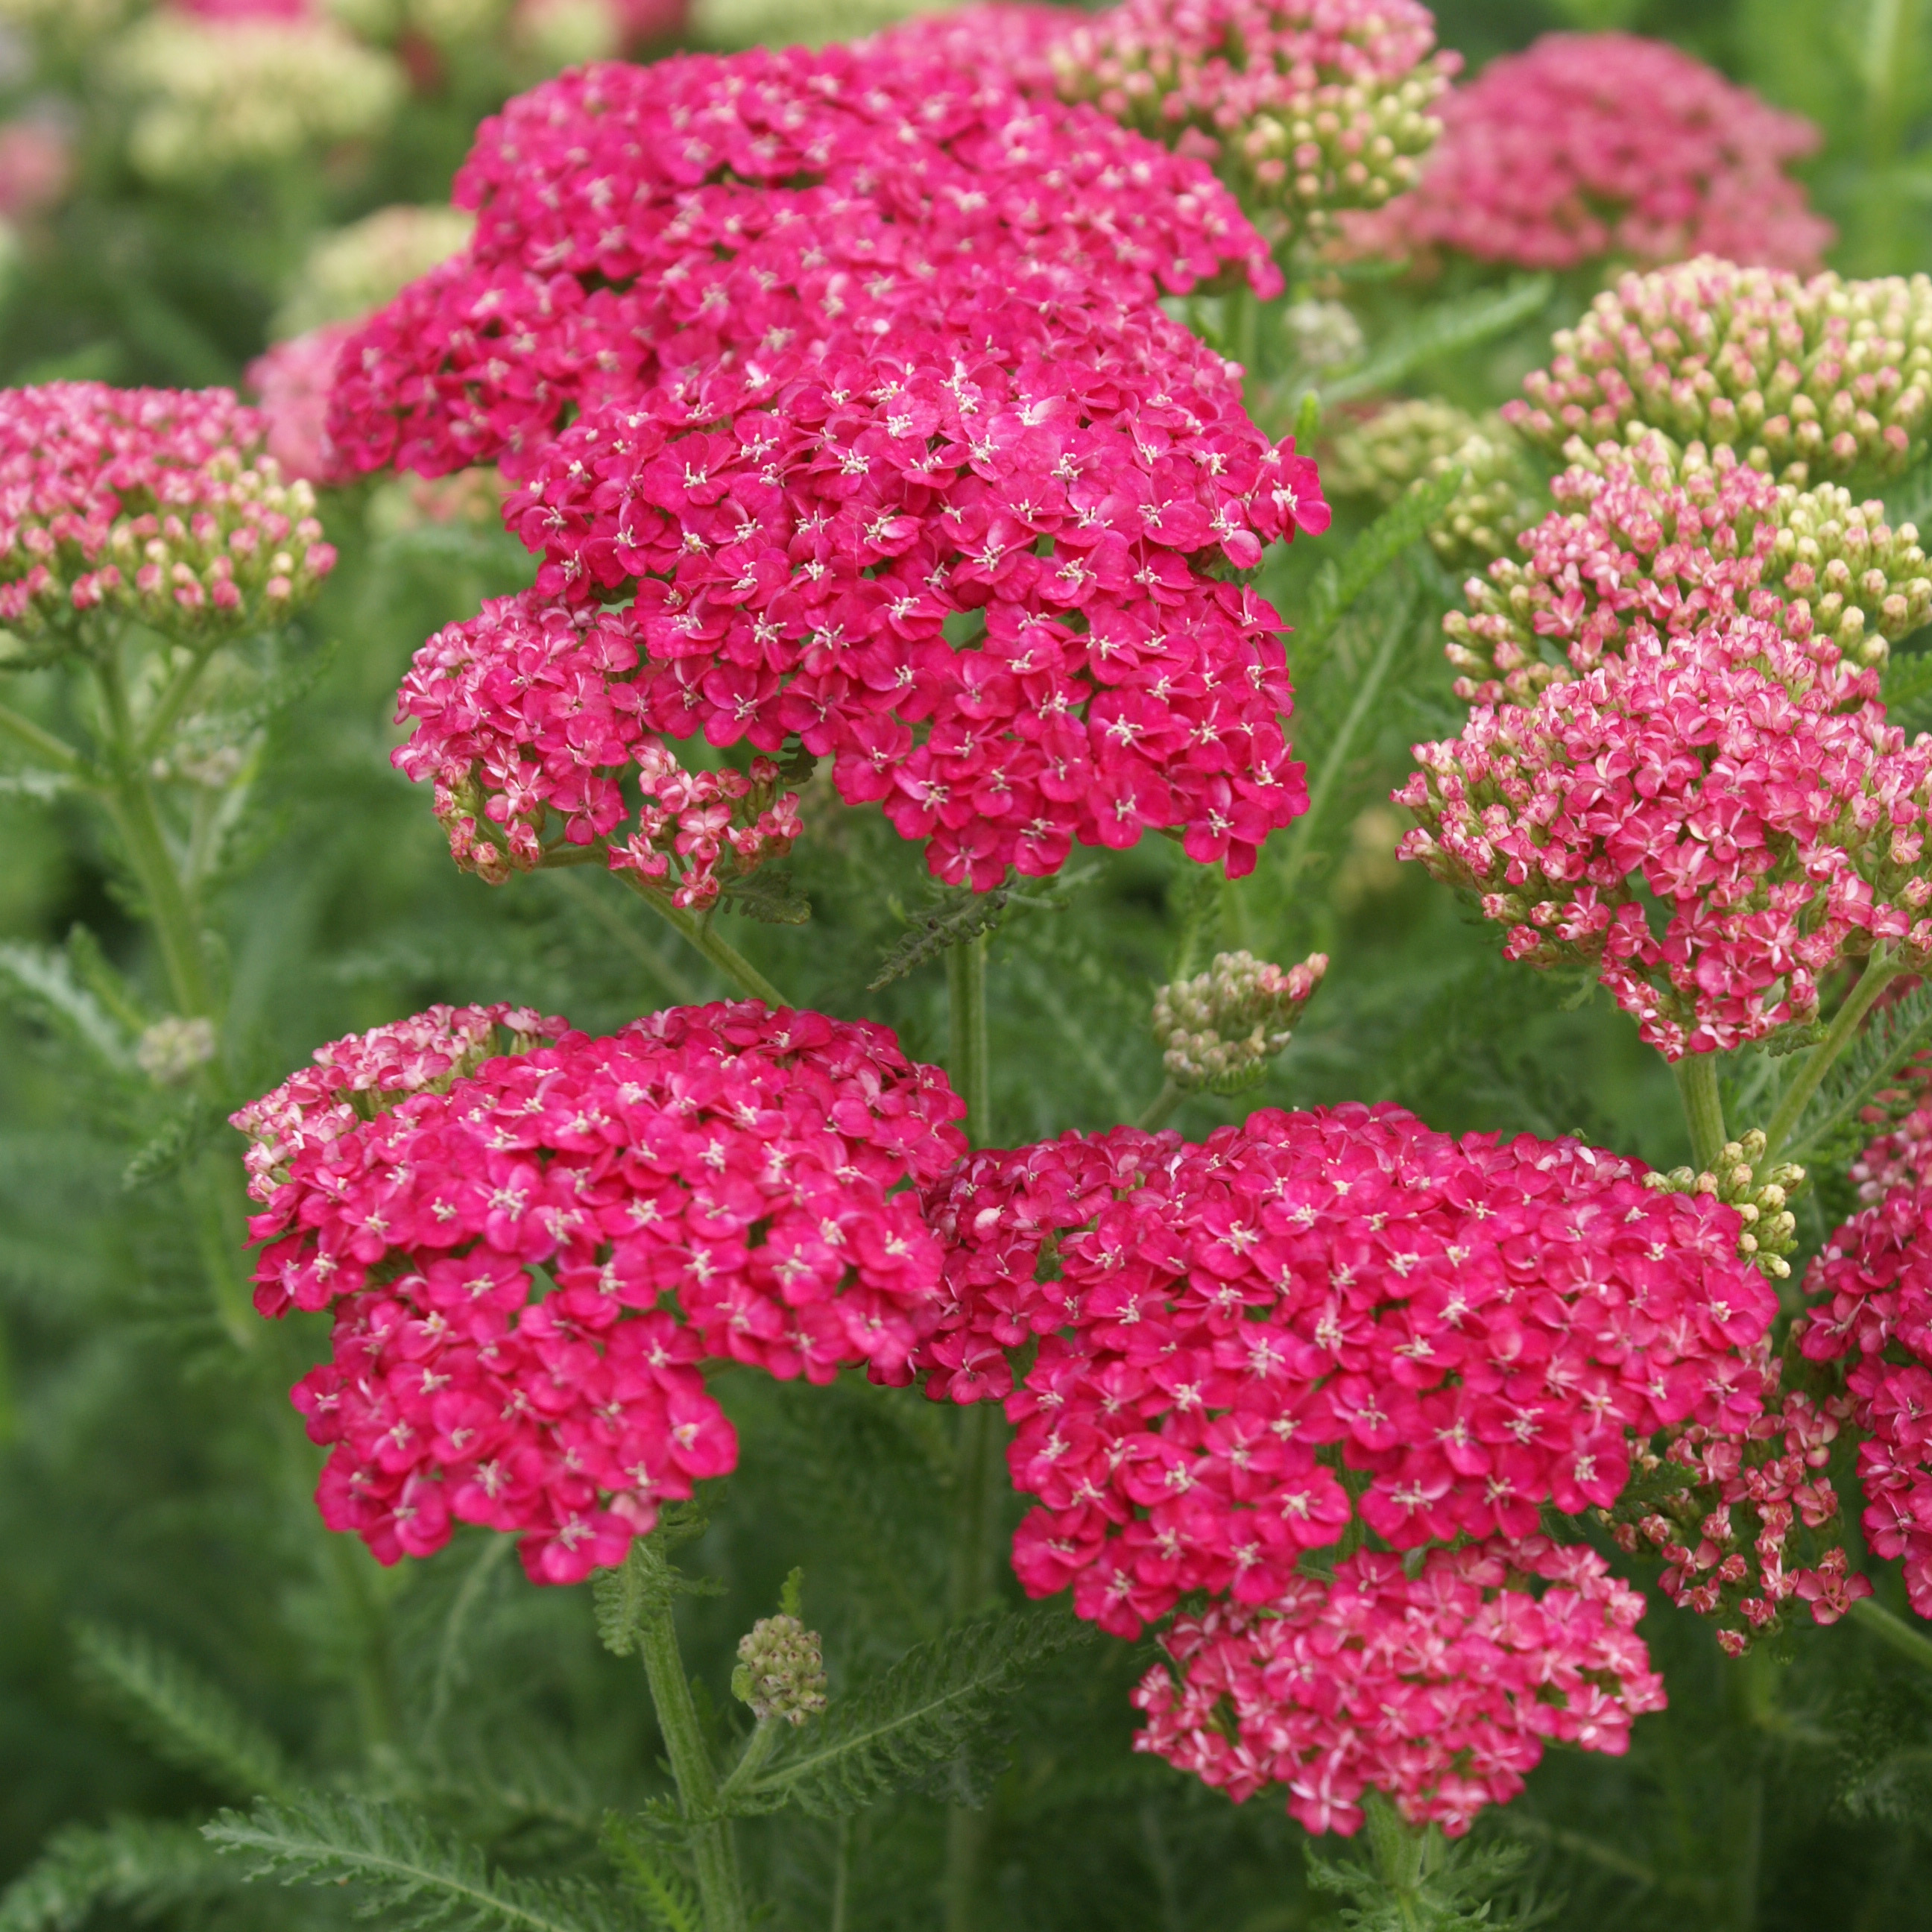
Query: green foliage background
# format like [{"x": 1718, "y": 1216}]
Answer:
[{"x": 176, "y": 1632}]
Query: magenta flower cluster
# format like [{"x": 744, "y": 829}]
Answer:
[
  {"x": 149, "y": 501},
  {"x": 720, "y": 1184},
  {"x": 1590, "y": 146},
  {"x": 1439, "y": 1686},
  {"x": 1873, "y": 1285},
  {"x": 1749, "y": 788},
  {"x": 1233, "y": 1336}
]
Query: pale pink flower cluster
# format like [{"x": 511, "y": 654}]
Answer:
[
  {"x": 1725, "y": 1536},
  {"x": 638, "y": 225},
  {"x": 1439, "y": 1685},
  {"x": 152, "y": 502},
  {"x": 36, "y": 165},
  {"x": 1873, "y": 1283},
  {"x": 1748, "y": 789},
  {"x": 364, "y": 1074},
  {"x": 720, "y": 1184},
  {"x": 1010, "y": 42},
  {"x": 294, "y": 380},
  {"x": 1669, "y": 541},
  {"x": 1465, "y": 1330},
  {"x": 1831, "y": 374},
  {"x": 1304, "y": 106},
  {"x": 1900, "y": 1156},
  {"x": 1589, "y": 145}
]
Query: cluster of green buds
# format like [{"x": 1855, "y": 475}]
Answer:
[
  {"x": 1305, "y": 109},
  {"x": 781, "y": 1670},
  {"x": 1221, "y": 1029},
  {"x": 171, "y": 1051},
  {"x": 1322, "y": 335},
  {"x": 1674, "y": 538},
  {"x": 1802, "y": 377},
  {"x": 1761, "y": 1194},
  {"x": 1502, "y": 493}
]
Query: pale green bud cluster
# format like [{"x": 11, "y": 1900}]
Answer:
[
  {"x": 356, "y": 270},
  {"x": 1420, "y": 438},
  {"x": 1762, "y": 1200},
  {"x": 1803, "y": 377},
  {"x": 209, "y": 98},
  {"x": 1221, "y": 1029},
  {"x": 781, "y": 1670},
  {"x": 170, "y": 1051},
  {"x": 1321, "y": 335}
]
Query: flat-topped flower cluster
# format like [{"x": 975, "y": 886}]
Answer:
[{"x": 154, "y": 503}]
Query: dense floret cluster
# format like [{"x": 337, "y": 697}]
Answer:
[
  {"x": 1305, "y": 107},
  {"x": 1873, "y": 1290},
  {"x": 637, "y": 225},
  {"x": 1011, "y": 45},
  {"x": 1220, "y": 1029},
  {"x": 1589, "y": 145},
  {"x": 714, "y": 1182},
  {"x": 293, "y": 380},
  {"x": 150, "y": 502},
  {"x": 1438, "y": 1687},
  {"x": 1245, "y": 1344},
  {"x": 1651, "y": 538},
  {"x": 1817, "y": 371},
  {"x": 1747, "y": 790}
]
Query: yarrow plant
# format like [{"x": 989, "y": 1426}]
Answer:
[{"x": 1589, "y": 147}]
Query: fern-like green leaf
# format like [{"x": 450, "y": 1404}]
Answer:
[
  {"x": 669, "y": 1899},
  {"x": 957, "y": 916},
  {"x": 767, "y": 895},
  {"x": 408, "y": 1873},
  {"x": 180, "y": 1715},
  {"x": 1907, "y": 691},
  {"x": 646, "y": 1580},
  {"x": 44, "y": 981},
  {"x": 921, "y": 1723},
  {"x": 1443, "y": 330},
  {"x": 1830, "y": 1125},
  {"x": 1341, "y": 585},
  {"x": 142, "y": 1865},
  {"x": 181, "y": 1137}
]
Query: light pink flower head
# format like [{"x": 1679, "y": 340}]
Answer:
[
  {"x": 154, "y": 501},
  {"x": 1480, "y": 1328},
  {"x": 1590, "y": 146},
  {"x": 717, "y": 1184},
  {"x": 36, "y": 165},
  {"x": 293, "y": 380},
  {"x": 1714, "y": 822},
  {"x": 1438, "y": 1688}
]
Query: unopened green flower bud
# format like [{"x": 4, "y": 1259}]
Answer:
[
  {"x": 781, "y": 1672},
  {"x": 1219, "y": 1030},
  {"x": 169, "y": 1051}
]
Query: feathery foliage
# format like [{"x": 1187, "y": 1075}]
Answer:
[
  {"x": 146, "y": 1867},
  {"x": 1445, "y": 328}
]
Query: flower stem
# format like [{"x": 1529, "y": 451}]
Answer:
[
  {"x": 1401, "y": 1854},
  {"x": 43, "y": 745},
  {"x": 1697, "y": 1075},
  {"x": 1880, "y": 970},
  {"x": 966, "y": 993},
  {"x": 719, "y": 950},
  {"x": 1893, "y": 1630},
  {"x": 714, "y": 1853},
  {"x": 1156, "y": 1112}
]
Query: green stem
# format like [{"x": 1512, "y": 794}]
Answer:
[
  {"x": 42, "y": 744},
  {"x": 966, "y": 998},
  {"x": 1335, "y": 759},
  {"x": 842, "y": 1876},
  {"x": 1894, "y": 1630},
  {"x": 173, "y": 701},
  {"x": 1697, "y": 1075},
  {"x": 714, "y": 1854},
  {"x": 1156, "y": 1112},
  {"x": 759, "y": 1746},
  {"x": 720, "y": 952},
  {"x": 1401, "y": 1854},
  {"x": 979, "y": 1471},
  {"x": 1880, "y": 970}
]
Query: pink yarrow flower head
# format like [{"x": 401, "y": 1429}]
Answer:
[
  {"x": 155, "y": 503},
  {"x": 1593, "y": 145},
  {"x": 1475, "y": 1329},
  {"x": 1000, "y": 590},
  {"x": 1010, "y": 43},
  {"x": 1651, "y": 538},
  {"x": 1807, "y": 376},
  {"x": 1437, "y": 1685},
  {"x": 712, "y": 1184},
  {"x": 293, "y": 380},
  {"x": 1305, "y": 107},
  {"x": 1749, "y": 791},
  {"x": 641, "y": 226}
]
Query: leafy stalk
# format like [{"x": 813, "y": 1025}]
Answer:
[
  {"x": 1881, "y": 969},
  {"x": 966, "y": 999},
  {"x": 709, "y": 940},
  {"x": 1697, "y": 1075}
]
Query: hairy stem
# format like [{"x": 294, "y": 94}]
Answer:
[
  {"x": 979, "y": 1481},
  {"x": 841, "y": 1875},
  {"x": 713, "y": 945},
  {"x": 1894, "y": 1631},
  {"x": 1696, "y": 1075},
  {"x": 173, "y": 701},
  {"x": 1881, "y": 969},
  {"x": 1401, "y": 1854},
  {"x": 966, "y": 996},
  {"x": 714, "y": 1852}
]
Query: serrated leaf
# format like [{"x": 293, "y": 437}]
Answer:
[
  {"x": 1340, "y": 586},
  {"x": 43, "y": 981},
  {"x": 1906, "y": 689},
  {"x": 669, "y": 1899},
  {"x": 409, "y": 1874},
  {"x": 143, "y": 1865},
  {"x": 182, "y": 1716},
  {"x": 767, "y": 895},
  {"x": 957, "y": 916},
  {"x": 646, "y": 1581},
  {"x": 1892, "y": 1035},
  {"x": 1443, "y": 330},
  {"x": 916, "y": 1725},
  {"x": 286, "y": 688},
  {"x": 180, "y": 1138}
]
